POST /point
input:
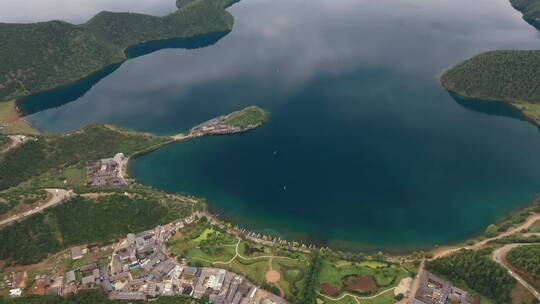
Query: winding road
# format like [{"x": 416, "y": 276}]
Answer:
[
  {"x": 444, "y": 251},
  {"x": 57, "y": 196},
  {"x": 499, "y": 257}
]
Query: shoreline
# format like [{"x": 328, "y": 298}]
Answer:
[
  {"x": 397, "y": 250},
  {"x": 394, "y": 251},
  {"x": 507, "y": 103}
]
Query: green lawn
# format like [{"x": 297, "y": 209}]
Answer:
[
  {"x": 75, "y": 175},
  {"x": 204, "y": 244},
  {"x": 385, "y": 276},
  {"x": 252, "y": 270},
  {"x": 292, "y": 275},
  {"x": 250, "y": 116}
]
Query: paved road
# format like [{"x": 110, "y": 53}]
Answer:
[
  {"x": 57, "y": 196},
  {"x": 444, "y": 251},
  {"x": 498, "y": 256}
]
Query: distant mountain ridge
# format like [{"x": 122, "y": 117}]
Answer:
[{"x": 42, "y": 56}]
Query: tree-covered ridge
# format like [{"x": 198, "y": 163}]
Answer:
[
  {"x": 50, "y": 152},
  {"x": 529, "y": 8},
  {"x": 526, "y": 259},
  {"x": 474, "y": 269},
  {"x": 498, "y": 75},
  {"x": 81, "y": 221},
  {"x": 45, "y": 55},
  {"x": 508, "y": 76}
]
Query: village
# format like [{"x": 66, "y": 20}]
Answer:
[{"x": 140, "y": 268}]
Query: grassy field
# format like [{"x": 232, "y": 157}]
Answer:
[
  {"x": 292, "y": 275},
  {"x": 254, "y": 270},
  {"x": 10, "y": 117},
  {"x": 250, "y": 116},
  {"x": 203, "y": 244},
  {"x": 385, "y": 275}
]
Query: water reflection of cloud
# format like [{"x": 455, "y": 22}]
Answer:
[
  {"x": 280, "y": 45},
  {"x": 76, "y": 11}
]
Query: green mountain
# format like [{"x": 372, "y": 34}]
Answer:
[
  {"x": 506, "y": 76},
  {"x": 42, "y": 56},
  {"x": 530, "y": 10}
]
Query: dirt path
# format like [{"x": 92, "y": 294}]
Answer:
[
  {"x": 57, "y": 197},
  {"x": 444, "y": 251},
  {"x": 499, "y": 257},
  {"x": 416, "y": 284},
  {"x": 273, "y": 277}
]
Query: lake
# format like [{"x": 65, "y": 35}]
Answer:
[{"x": 363, "y": 150}]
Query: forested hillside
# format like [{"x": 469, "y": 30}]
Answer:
[
  {"x": 509, "y": 76},
  {"x": 498, "y": 75},
  {"x": 81, "y": 221},
  {"x": 527, "y": 259},
  {"x": 50, "y": 152},
  {"x": 42, "y": 56},
  {"x": 476, "y": 271}
]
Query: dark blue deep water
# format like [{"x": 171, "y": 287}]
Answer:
[{"x": 363, "y": 148}]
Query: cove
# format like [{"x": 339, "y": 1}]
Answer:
[{"x": 363, "y": 150}]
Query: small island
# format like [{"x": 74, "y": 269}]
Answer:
[{"x": 241, "y": 121}]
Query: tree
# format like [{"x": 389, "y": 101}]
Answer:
[{"x": 492, "y": 231}]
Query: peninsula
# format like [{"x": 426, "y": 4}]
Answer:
[
  {"x": 508, "y": 76},
  {"x": 42, "y": 56}
]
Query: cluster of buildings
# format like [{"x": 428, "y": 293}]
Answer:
[
  {"x": 106, "y": 172},
  {"x": 140, "y": 268},
  {"x": 215, "y": 127},
  {"x": 433, "y": 290}
]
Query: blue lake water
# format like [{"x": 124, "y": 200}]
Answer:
[{"x": 364, "y": 149}]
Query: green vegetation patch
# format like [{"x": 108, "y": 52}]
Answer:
[
  {"x": 203, "y": 244},
  {"x": 385, "y": 275},
  {"x": 474, "y": 269},
  {"x": 77, "y": 221},
  {"x": 293, "y": 274},
  {"x": 509, "y": 76},
  {"x": 15, "y": 196},
  {"x": 308, "y": 294},
  {"x": 4, "y": 140},
  {"x": 526, "y": 259},
  {"x": 54, "y": 152},
  {"x": 249, "y": 117},
  {"x": 253, "y": 270}
]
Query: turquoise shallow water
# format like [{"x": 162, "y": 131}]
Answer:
[{"x": 364, "y": 149}]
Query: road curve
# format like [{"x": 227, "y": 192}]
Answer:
[
  {"x": 57, "y": 197},
  {"x": 499, "y": 255},
  {"x": 444, "y": 251}
]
